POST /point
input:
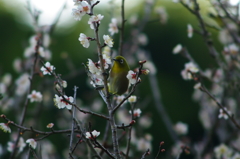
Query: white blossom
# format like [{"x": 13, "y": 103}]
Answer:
[
  {"x": 197, "y": 85},
  {"x": 145, "y": 121},
  {"x": 96, "y": 82},
  {"x": 222, "y": 151},
  {"x": 189, "y": 69},
  {"x": 32, "y": 143},
  {"x": 46, "y": 40},
  {"x": 143, "y": 144},
  {"x": 107, "y": 61},
  {"x": 152, "y": 68},
  {"x": 48, "y": 70},
  {"x": 181, "y": 128},
  {"x": 113, "y": 28},
  {"x": 132, "y": 77},
  {"x": 35, "y": 96},
  {"x": 107, "y": 51},
  {"x": 17, "y": 65},
  {"x": 77, "y": 2},
  {"x": 142, "y": 39},
  {"x": 94, "y": 134},
  {"x": 20, "y": 146},
  {"x": 50, "y": 125},
  {"x": 93, "y": 68},
  {"x": 77, "y": 14},
  {"x": 133, "y": 19},
  {"x": 136, "y": 112},
  {"x": 95, "y": 19},
  {"x": 222, "y": 114},
  {"x": 3, "y": 88},
  {"x": 163, "y": 15},
  {"x": 84, "y": 40},
  {"x": 5, "y": 128},
  {"x": 132, "y": 99},
  {"x": 190, "y": 30},
  {"x": 108, "y": 40},
  {"x": 7, "y": 79},
  {"x": 86, "y": 8},
  {"x": 23, "y": 84},
  {"x": 232, "y": 49},
  {"x": 120, "y": 98},
  {"x": 236, "y": 156},
  {"x": 177, "y": 49},
  {"x": 61, "y": 102}
]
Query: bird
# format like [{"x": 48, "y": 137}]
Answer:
[{"x": 118, "y": 82}]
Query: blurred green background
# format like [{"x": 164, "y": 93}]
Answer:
[{"x": 176, "y": 93}]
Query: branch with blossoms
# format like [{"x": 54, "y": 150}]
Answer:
[
  {"x": 39, "y": 56},
  {"x": 215, "y": 87}
]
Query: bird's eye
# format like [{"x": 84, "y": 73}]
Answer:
[{"x": 121, "y": 61}]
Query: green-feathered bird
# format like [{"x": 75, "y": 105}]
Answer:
[{"x": 118, "y": 82}]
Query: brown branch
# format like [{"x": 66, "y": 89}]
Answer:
[
  {"x": 73, "y": 121},
  {"x": 24, "y": 129},
  {"x": 231, "y": 117},
  {"x": 145, "y": 154},
  {"x": 121, "y": 37}
]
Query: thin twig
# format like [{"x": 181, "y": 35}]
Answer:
[
  {"x": 24, "y": 129},
  {"x": 104, "y": 149},
  {"x": 27, "y": 100},
  {"x": 227, "y": 13},
  {"x": 130, "y": 131},
  {"x": 160, "y": 149},
  {"x": 231, "y": 117},
  {"x": 121, "y": 37},
  {"x": 145, "y": 154},
  {"x": 73, "y": 121}
]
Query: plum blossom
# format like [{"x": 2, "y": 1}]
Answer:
[
  {"x": 107, "y": 61},
  {"x": 48, "y": 69},
  {"x": 95, "y": 19},
  {"x": 113, "y": 28},
  {"x": 189, "y": 69},
  {"x": 93, "y": 67},
  {"x": 181, "y": 128},
  {"x": 61, "y": 103},
  {"x": 23, "y": 84},
  {"x": 50, "y": 125},
  {"x": 20, "y": 146},
  {"x": 222, "y": 114},
  {"x": 132, "y": 77},
  {"x": 84, "y": 40},
  {"x": 82, "y": 8},
  {"x": 177, "y": 49},
  {"x": 132, "y": 99},
  {"x": 96, "y": 82},
  {"x": 190, "y": 30},
  {"x": 5, "y": 128},
  {"x": 35, "y": 96},
  {"x": 77, "y": 14},
  {"x": 136, "y": 112},
  {"x": 222, "y": 151},
  {"x": 108, "y": 40},
  {"x": 32, "y": 143},
  {"x": 94, "y": 134},
  {"x": 120, "y": 98},
  {"x": 163, "y": 15},
  {"x": 142, "y": 39}
]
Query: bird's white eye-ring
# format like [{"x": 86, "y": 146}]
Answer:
[{"x": 121, "y": 61}]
